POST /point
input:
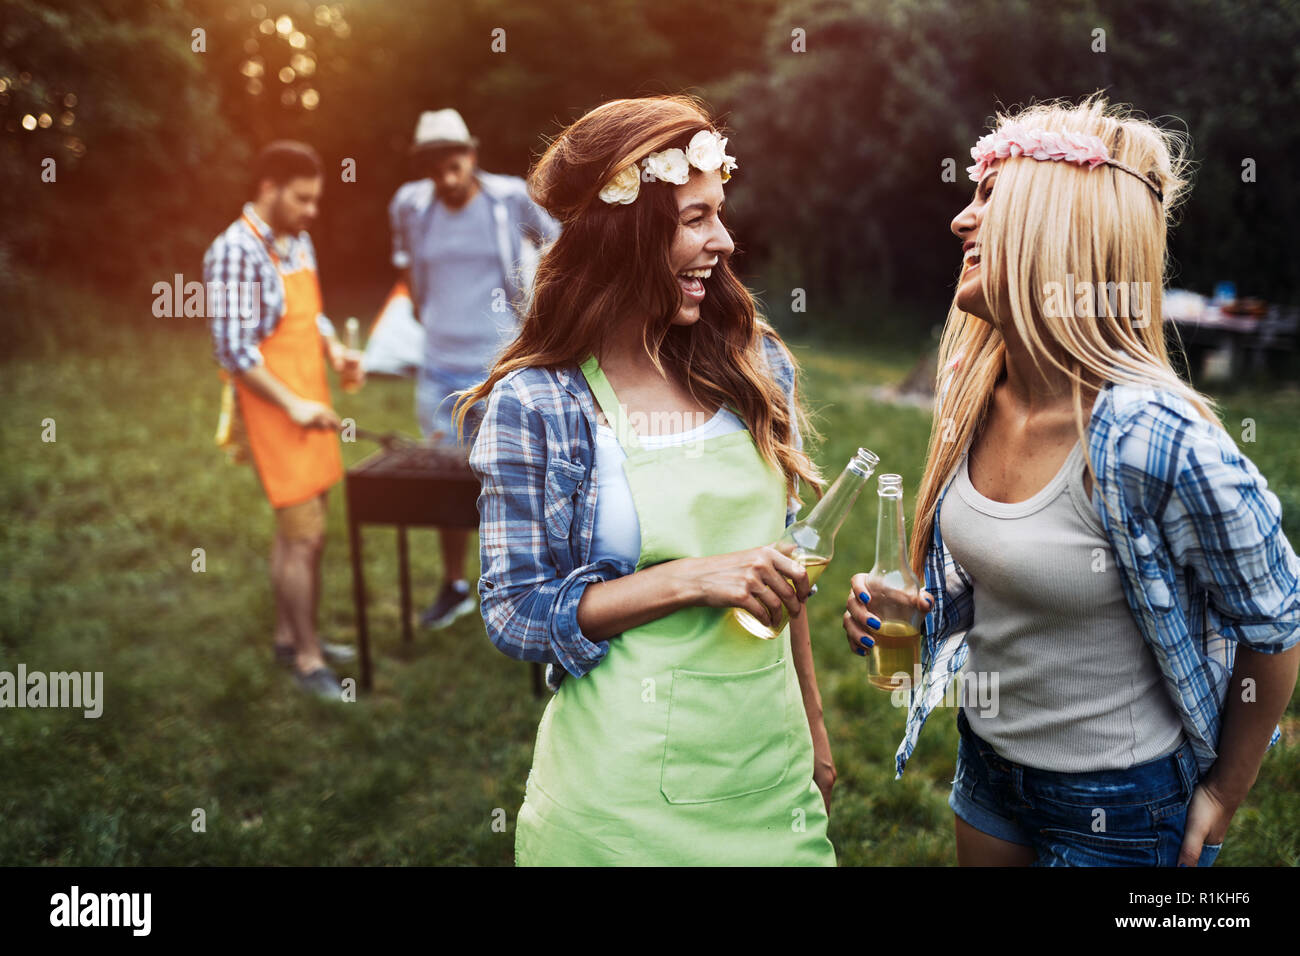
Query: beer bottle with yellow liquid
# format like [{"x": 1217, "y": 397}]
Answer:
[
  {"x": 350, "y": 380},
  {"x": 811, "y": 541},
  {"x": 893, "y": 589}
]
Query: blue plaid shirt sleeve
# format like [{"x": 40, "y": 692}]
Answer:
[
  {"x": 1221, "y": 521},
  {"x": 529, "y": 608},
  {"x": 229, "y": 271},
  {"x": 945, "y": 580}
]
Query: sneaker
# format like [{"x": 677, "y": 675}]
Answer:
[
  {"x": 287, "y": 655},
  {"x": 455, "y": 600},
  {"x": 322, "y": 682},
  {"x": 338, "y": 653}
]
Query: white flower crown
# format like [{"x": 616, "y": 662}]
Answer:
[{"x": 706, "y": 151}]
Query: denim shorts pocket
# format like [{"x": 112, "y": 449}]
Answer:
[
  {"x": 965, "y": 774},
  {"x": 563, "y": 480},
  {"x": 1073, "y": 847},
  {"x": 1108, "y": 818},
  {"x": 1109, "y": 789},
  {"x": 960, "y": 773}
]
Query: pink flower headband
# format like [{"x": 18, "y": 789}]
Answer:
[{"x": 1012, "y": 139}]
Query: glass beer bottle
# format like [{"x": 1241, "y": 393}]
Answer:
[
  {"x": 811, "y": 541},
  {"x": 893, "y": 589},
  {"x": 350, "y": 380}
]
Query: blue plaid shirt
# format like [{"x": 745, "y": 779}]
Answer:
[
  {"x": 534, "y": 456},
  {"x": 1198, "y": 539}
]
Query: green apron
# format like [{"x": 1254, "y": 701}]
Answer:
[{"x": 688, "y": 743}]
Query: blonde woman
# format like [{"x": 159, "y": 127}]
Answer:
[{"x": 1110, "y": 565}]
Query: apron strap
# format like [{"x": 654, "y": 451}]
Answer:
[
  {"x": 266, "y": 242},
  {"x": 609, "y": 404}
]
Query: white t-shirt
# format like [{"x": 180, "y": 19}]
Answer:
[{"x": 618, "y": 530}]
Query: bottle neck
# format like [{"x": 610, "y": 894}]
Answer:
[
  {"x": 829, "y": 514},
  {"x": 891, "y": 538}
]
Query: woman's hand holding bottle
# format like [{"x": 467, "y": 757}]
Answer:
[
  {"x": 764, "y": 581},
  {"x": 870, "y": 605},
  {"x": 885, "y": 612},
  {"x": 884, "y": 623},
  {"x": 759, "y": 580},
  {"x": 811, "y": 540}
]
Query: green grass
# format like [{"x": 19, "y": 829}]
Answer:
[{"x": 96, "y": 549}]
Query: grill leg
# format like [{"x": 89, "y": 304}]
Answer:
[
  {"x": 359, "y": 600},
  {"x": 404, "y": 572}
]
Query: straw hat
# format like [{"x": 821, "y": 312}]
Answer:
[{"x": 438, "y": 129}]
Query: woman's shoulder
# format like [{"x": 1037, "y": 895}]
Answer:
[
  {"x": 1130, "y": 402},
  {"x": 543, "y": 389},
  {"x": 1155, "y": 414},
  {"x": 544, "y": 402},
  {"x": 1160, "y": 435}
]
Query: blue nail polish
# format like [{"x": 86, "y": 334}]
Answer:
[
  {"x": 864, "y": 597},
  {"x": 861, "y": 652},
  {"x": 873, "y": 622},
  {"x": 867, "y": 642}
]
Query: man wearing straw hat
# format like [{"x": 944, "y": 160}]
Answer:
[{"x": 458, "y": 237}]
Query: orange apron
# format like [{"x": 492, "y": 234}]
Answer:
[{"x": 295, "y": 464}]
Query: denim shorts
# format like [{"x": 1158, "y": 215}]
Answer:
[
  {"x": 1131, "y": 817},
  {"x": 435, "y": 398}
]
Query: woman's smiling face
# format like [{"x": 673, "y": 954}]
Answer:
[
  {"x": 701, "y": 240},
  {"x": 966, "y": 227}
]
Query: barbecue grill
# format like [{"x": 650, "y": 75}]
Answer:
[{"x": 408, "y": 483}]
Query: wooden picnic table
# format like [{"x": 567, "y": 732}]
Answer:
[{"x": 1250, "y": 341}]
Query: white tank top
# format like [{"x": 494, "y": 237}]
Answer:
[
  {"x": 618, "y": 530},
  {"x": 1078, "y": 688}
]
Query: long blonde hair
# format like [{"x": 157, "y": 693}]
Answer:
[{"x": 1047, "y": 221}]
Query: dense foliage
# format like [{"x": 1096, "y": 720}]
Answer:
[{"x": 842, "y": 113}]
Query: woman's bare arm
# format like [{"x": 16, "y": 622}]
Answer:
[
  {"x": 1258, "y": 695},
  {"x": 801, "y": 652},
  {"x": 759, "y": 580},
  {"x": 608, "y": 608}
]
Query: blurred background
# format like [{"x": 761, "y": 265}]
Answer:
[
  {"x": 841, "y": 115},
  {"x": 843, "y": 143}
]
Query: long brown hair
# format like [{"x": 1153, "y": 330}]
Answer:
[{"x": 613, "y": 260}]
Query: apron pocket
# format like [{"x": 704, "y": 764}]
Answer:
[{"x": 728, "y": 734}]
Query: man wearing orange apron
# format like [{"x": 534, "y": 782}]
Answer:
[{"x": 271, "y": 341}]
